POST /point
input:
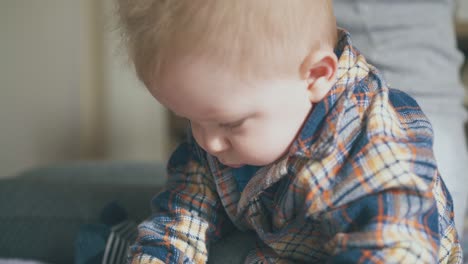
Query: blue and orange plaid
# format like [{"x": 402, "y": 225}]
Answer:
[{"x": 359, "y": 185}]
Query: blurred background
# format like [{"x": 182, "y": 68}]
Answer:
[{"x": 68, "y": 92}]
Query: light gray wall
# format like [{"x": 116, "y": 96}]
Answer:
[
  {"x": 39, "y": 87},
  {"x": 137, "y": 126},
  {"x": 462, "y": 10},
  {"x": 66, "y": 93}
]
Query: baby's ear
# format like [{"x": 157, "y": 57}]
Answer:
[{"x": 318, "y": 70}]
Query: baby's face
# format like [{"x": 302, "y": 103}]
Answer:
[{"x": 240, "y": 123}]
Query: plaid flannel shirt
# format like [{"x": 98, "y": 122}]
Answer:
[{"x": 359, "y": 185}]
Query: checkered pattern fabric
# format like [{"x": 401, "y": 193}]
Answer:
[{"x": 359, "y": 185}]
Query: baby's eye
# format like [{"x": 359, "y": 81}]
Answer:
[{"x": 233, "y": 124}]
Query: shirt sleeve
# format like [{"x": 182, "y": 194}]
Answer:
[{"x": 187, "y": 214}]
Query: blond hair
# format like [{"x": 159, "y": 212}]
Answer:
[{"x": 253, "y": 37}]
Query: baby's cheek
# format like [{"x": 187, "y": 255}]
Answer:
[{"x": 260, "y": 151}]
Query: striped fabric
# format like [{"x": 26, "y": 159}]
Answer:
[
  {"x": 359, "y": 185},
  {"x": 118, "y": 242}
]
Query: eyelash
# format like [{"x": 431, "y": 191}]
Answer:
[{"x": 233, "y": 125}]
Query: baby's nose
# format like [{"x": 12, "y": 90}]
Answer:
[{"x": 216, "y": 144}]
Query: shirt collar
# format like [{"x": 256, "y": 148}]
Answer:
[{"x": 318, "y": 136}]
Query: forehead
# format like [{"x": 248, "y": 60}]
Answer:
[{"x": 201, "y": 89}]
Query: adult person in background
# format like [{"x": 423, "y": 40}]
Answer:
[{"x": 413, "y": 43}]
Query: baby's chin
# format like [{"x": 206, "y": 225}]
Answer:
[
  {"x": 253, "y": 162},
  {"x": 235, "y": 166},
  {"x": 256, "y": 164}
]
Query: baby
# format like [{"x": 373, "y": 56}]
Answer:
[{"x": 293, "y": 136}]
